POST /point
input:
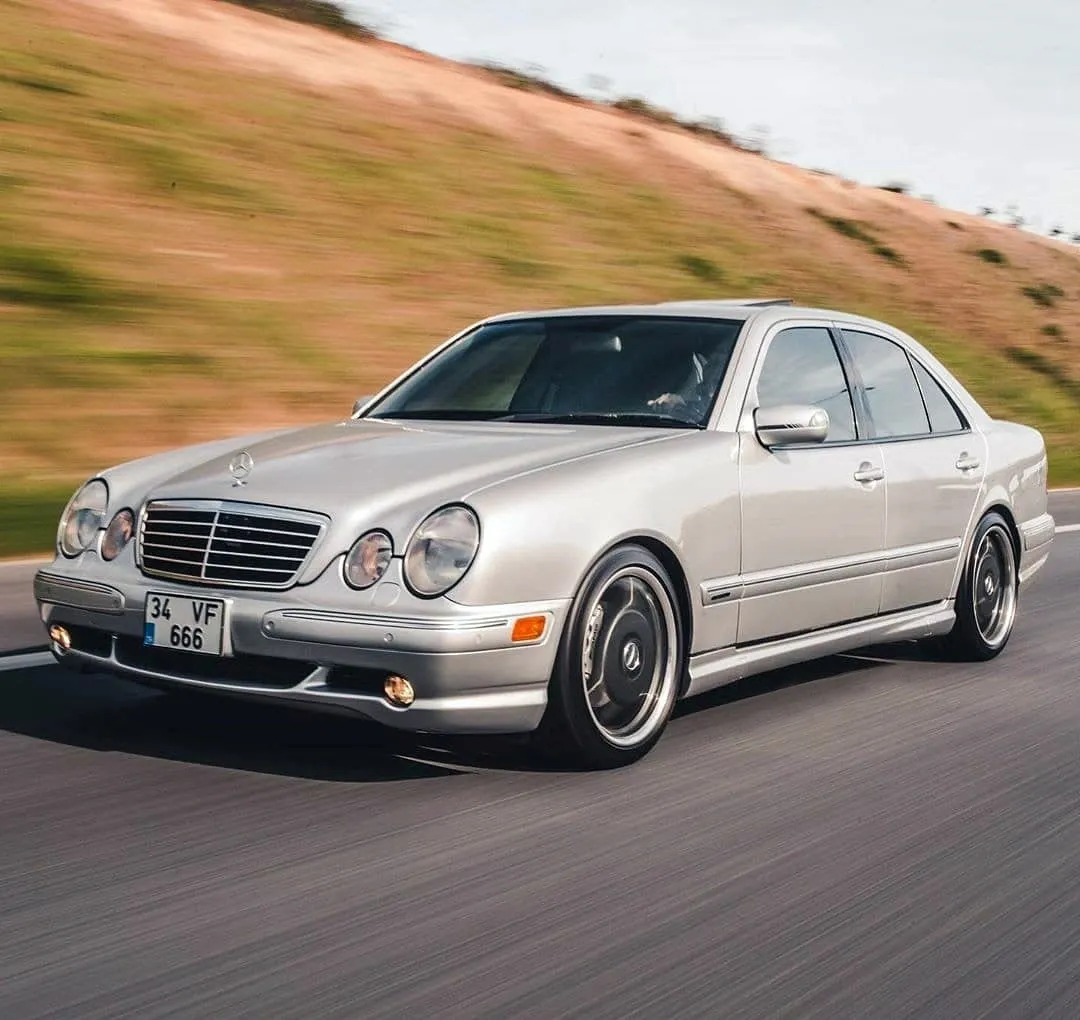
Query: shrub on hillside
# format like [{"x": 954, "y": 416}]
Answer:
[
  {"x": 1045, "y": 295},
  {"x": 322, "y": 13},
  {"x": 528, "y": 80},
  {"x": 702, "y": 268},
  {"x": 991, "y": 255}
]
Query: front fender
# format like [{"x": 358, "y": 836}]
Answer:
[{"x": 540, "y": 533}]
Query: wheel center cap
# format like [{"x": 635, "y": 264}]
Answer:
[
  {"x": 631, "y": 656},
  {"x": 988, "y": 584}
]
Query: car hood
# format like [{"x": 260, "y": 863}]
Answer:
[{"x": 367, "y": 473}]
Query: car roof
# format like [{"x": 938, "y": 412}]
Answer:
[{"x": 738, "y": 309}]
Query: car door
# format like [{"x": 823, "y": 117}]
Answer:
[
  {"x": 813, "y": 516},
  {"x": 934, "y": 467}
]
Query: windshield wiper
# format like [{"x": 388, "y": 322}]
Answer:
[{"x": 603, "y": 418}]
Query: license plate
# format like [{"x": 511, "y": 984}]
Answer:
[{"x": 184, "y": 624}]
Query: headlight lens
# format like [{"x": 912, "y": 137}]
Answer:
[
  {"x": 442, "y": 550},
  {"x": 83, "y": 517},
  {"x": 117, "y": 535},
  {"x": 368, "y": 559}
]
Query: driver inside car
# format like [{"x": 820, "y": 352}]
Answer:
[{"x": 697, "y": 387}]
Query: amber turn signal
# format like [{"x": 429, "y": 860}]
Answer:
[{"x": 528, "y": 628}]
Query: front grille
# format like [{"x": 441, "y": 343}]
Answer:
[
  {"x": 226, "y": 544},
  {"x": 245, "y": 670}
]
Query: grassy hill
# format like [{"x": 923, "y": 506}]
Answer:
[{"x": 213, "y": 221}]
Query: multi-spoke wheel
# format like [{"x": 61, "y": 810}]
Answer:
[
  {"x": 986, "y": 601},
  {"x": 619, "y": 663}
]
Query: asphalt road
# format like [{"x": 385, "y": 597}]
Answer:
[{"x": 874, "y": 836}]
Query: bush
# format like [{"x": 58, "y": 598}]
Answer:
[
  {"x": 710, "y": 127},
  {"x": 637, "y": 107},
  {"x": 849, "y": 228},
  {"x": 857, "y": 232},
  {"x": 1053, "y": 331},
  {"x": 701, "y": 268},
  {"x": 1045, "y": 295},
  {"x": 889, "y": 254},
  {"x": 896, "y": 187},
  {"x": 1046, "y": 368},
  {"x": 321, "y": 13},
  {"x": 531, "y": 80},
  {"x": 991, "y": 255}
]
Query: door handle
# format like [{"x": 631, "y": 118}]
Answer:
[
  {"x": 868, "y": 473},
  {"x": 966, "y": 463}
]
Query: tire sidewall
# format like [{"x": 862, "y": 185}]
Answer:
[
  {"x": 567, "y": 708},
  {"x": 967, "y": 629}
]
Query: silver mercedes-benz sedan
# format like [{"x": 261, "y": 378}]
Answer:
[{"x": 561, "y": 522}]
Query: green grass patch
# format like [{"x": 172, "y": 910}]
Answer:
[
  {"x": 35, "y": 84},
  {"x": 44, "y": 278},
  {"x": 29, "y": 516}
]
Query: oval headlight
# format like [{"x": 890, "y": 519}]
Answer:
[
  {"x": 368, "y": 559},
  {"x": 118, "y": 534},
  {"x": 441, "y": 550},
  {"x": 83, "y": 517}
]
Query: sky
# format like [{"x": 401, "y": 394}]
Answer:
[{"x": 973, "y": 102}]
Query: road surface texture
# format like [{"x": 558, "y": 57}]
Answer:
[{"x": 872, "y": 836}]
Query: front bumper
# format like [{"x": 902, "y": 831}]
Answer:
[{"x": 308, "y": 646}]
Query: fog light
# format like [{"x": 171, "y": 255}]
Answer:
[
  {"x": 398, "y": 691},
  {"x": 60, "y": 636},
  {"x": 528, "y": 628}
]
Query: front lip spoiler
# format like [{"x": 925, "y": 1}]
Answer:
[{"x": 505, "y": 710}]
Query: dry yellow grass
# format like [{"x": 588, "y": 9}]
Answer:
[{"x": 212, "y": 221}]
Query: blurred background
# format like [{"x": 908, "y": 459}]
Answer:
[{"x": 215, "y": 220}]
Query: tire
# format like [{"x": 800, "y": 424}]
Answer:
[
  {"x": 619, "y": 664},
  {"x": 986, "y": 601}
]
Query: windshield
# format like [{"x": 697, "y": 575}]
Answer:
[{"x": 602, "y": 370}]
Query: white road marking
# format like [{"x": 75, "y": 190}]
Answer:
[
  {"x": 28, "y": 660},
  {"x": 1065, "y": 529}
]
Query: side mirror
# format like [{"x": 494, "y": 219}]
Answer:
[
  {"x": 791, "y": 424},
  {"x": 361, "y": 401}
]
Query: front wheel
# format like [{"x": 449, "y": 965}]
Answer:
[
  {"x": 619, "y": 663},
  {"x": 987, "y": 599}
]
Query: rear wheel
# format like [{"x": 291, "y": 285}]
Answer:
[
  {"x": 987, "y": 600},
  {"x": 619, "y": 663}
]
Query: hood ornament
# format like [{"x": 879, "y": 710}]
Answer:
[{"x": 240, "y": 467}]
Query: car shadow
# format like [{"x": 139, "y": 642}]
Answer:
[{"x": 104, "y": 713}]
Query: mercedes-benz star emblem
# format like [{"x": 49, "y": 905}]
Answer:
[{"x": 240, "y": 467}]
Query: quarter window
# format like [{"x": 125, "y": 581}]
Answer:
[
  {"x": 895, "y": 403},
  {"x": 943, "y": 414},
  {"x": 802, "y": 367}
]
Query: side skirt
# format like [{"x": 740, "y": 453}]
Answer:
[{"x": 726, "y": 665}]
